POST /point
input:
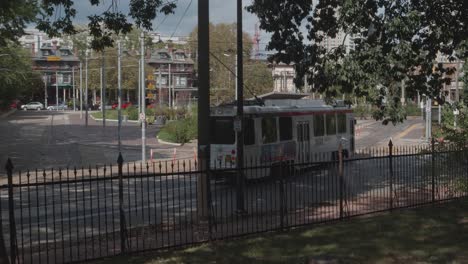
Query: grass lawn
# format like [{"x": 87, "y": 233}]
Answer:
[
  {"x": 110, "y": 114},
  {"x": 433, "y": 234}
]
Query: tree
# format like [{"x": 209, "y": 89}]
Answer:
[
  {"x": 56, "y": 18},
  {"x": 17, "y": 79},
  {"x": 223, "y": 50},
  {"x": 14, "y": 16},
  {"x": 394, "y": 41}
]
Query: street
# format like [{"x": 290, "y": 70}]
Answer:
[{"x": 48, "y": 139}]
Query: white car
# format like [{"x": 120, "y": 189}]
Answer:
[{"x": 33, "y": 106}]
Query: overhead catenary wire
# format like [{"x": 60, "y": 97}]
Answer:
[{"x": 181, "y": 18}]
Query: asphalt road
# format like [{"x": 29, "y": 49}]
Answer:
[{"x": 48, "y": 139}]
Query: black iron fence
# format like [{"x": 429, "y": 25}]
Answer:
[{"x": 71, "y": 214}]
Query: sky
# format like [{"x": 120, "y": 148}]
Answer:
[{"x": 221, "y": 11}]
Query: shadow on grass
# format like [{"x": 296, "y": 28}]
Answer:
[{"x": 433, "y": 234}]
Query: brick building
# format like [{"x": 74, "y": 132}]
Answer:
[{"x": 174, "y": 75}]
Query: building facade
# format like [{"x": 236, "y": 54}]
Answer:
[
  {"x": 174, "y": 78},
  {"x": 454, "y": 90},
  {"x": 58, "y": 67},
  {"x": 283, "y": 78}
]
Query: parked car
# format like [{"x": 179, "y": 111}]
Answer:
[
  {"x": 57, "y": 107},
  {"x": 33, "y": 106}
]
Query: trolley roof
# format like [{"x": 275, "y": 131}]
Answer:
[{"x": 281, "y": 106}]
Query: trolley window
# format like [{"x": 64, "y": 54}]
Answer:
[
  {"x": 341, "y": 123},
  {"x": 269, "y": 129},
  {"x": 249, "y": 131},
  {"x": 331, "y": 124},
  {"x": 319, "y": 127},
  {"x": 222, "y": 131},
  {"x": 285, "y": 128}
]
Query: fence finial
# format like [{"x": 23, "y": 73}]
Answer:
[
  {"x": 120, "y": 159},
  {"x": 9, "y": 165},
  {"x": 390, "y": 143}
]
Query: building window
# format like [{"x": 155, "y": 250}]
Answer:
[
  {"x": 162, "y": 81},
  {"x": 285, "y": 128},
  {"x": 180, "y": 67},
  {"x": 180, "y": 81},
  {"x": 179, "y": 56},
  {"x": 269, "y": 134},
  {"x": 67, "y": 78},
  {"x": 319, "y": 128}
]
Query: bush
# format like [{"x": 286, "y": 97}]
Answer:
[
  {"x": 412, "y": 110},
  {"x": 132, "y": 113},
  {"x": 180, "y": 131}
]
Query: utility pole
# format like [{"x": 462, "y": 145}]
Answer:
[
  {"x": 240, "y": 111},
  {"x": 81, "y": 90},
  {"x": 86, "y": 88},
  {"x": 119, "y": 87},
  {"x": 139, "y": 87},
  {"x": 45, "y": 90},
  {"x": 428, "y": 118},
  {"x": 203, "y": 109},
  {"x": 56, "y": 90},
  {"x": 169, "y": 91},
  {"x": 73, "y": 87},
  {"x": 103, "y": 90},
  {"x": 160, "y": 88},
  {"x": 143, "y": 103}
]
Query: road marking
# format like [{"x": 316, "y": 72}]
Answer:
[{"x": 406, "y": 131}]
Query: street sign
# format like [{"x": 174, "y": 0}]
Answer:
[
  {"x": 142, "y": 117},
  {"x": 428, "y": 106},
  {"x": 237, "y": 124}
]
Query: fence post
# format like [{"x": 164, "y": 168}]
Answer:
[
  {"x": 340, "y": 175},
  {"x": 433, "y": 169},
  {"x": 123, "y": 230},
  {"x": 11, "y": 209},
  {"x": 390, "y": 161},
  {"x": 3, "y": 252},
  {"x": 281, "y": 194}
]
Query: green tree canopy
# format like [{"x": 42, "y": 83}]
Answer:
[
  {"x": 394, "y": 40},
  {"x": 223, "y": 50}
]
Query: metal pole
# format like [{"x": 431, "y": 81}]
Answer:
[
  {"x": 86, "y": 88},
  {"x": 73, "y": 87},
  {"x": 143, "y": 103},
  {"x": 203, "y": 109},
  {"x": 81, "y": 90},
  {"x": 160, "y": 88},
  {"x": 56, "y": 90},
  {"x": 170, "y": 82},
  {"x": 240, "y": 111},
  {"x": 236, "y": 71},
  {"x": 119, "y": 87},
  {"x": 45, "y": 90},
  {"x": 104, "y": 84},
  {"x": 139, "y": 87}
]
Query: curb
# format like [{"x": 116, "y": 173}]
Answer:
[
  {"x": 168, "y": 143},
  {"x": 8, "y": 113},
  {"x": 113, "y": 120}
]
